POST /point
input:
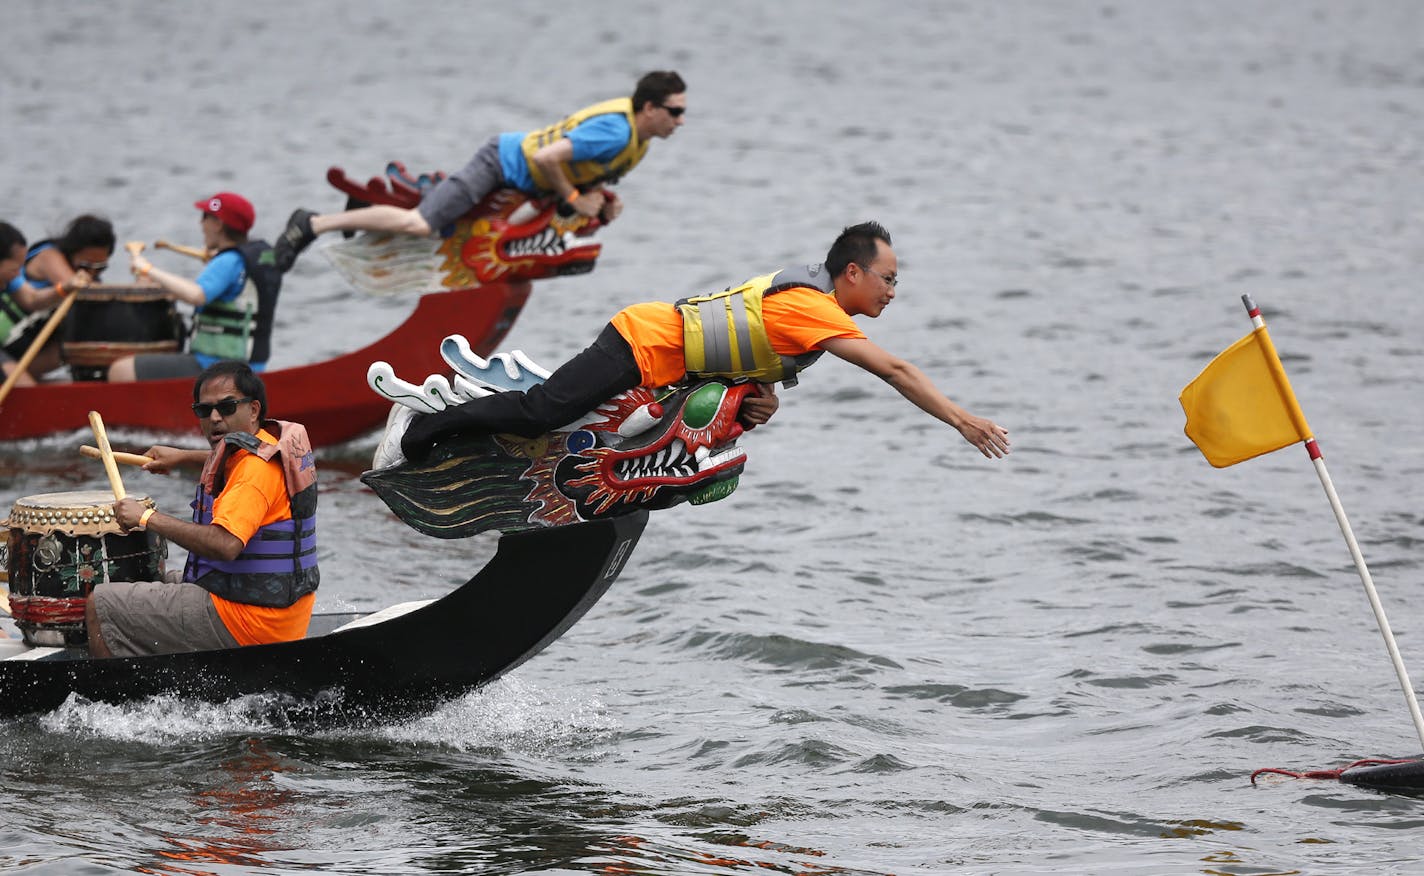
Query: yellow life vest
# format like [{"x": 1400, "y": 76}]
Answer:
[
  {"x": 724, "y": 334},
  {"x": 586, "y": 173}
]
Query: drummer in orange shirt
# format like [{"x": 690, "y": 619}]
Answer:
[
  {"x": 251, "y": 575},
  {"x": 765, "y": 330}
]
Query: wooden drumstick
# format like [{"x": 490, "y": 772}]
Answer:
[
  {"x": 135, "y": 248},
  {"x": 101, "y": 437},
  {"x": 193, "y": 251},
  {"x": 119, "y": 456}
]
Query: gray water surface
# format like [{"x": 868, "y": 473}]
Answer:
[{"x": 883, "y": 653}]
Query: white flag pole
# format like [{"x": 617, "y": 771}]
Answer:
[{"x": 1318, "y": 459}]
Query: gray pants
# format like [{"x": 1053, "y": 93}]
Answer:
[
  {"x": 459, "y": 192},
  {"x": 139, "y": 618},
  {"x": 165, "y": 366}
]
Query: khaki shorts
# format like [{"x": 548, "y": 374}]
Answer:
[{"x": 158, "y": 617}]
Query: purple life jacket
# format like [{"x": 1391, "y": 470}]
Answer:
[{"x": 277, "y": 566}]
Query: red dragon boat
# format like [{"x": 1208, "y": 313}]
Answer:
[
  {"x": 330, "y": 398},
  {"x": 476, "y": 279}
]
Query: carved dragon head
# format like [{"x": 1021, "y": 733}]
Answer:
[
  {"x": 637, "y": 451},
  {"x": 508, "y": 236},
  {"x": 511, "y": 237},
  {"x": 662, "y": 452}
]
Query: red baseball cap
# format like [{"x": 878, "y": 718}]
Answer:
[{"x": 232, "y": 210}]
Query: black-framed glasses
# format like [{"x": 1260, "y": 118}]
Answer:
[
  {"x": 95, "y": 268},
  {"x": 674, "y": 111},
  {"x": 891, "y": 280},
  {"x": 227, "y": 407}
]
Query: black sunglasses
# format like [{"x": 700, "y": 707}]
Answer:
[
  {"x": 673, "y": 111},
  {"x": 95, "y": 268},
  {"x": 227, "y": 407}
]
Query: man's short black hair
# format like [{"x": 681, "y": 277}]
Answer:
[
  {"x": 10, "y": 237},
  {"x": 855, "y": 244},
  {"x": 243, "y": 377},
  {"x": 656, "y": 87}
]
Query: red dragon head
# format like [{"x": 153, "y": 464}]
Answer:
[
  {"x": 510, "y": 236},
  {"x": 507, "y": 236}
]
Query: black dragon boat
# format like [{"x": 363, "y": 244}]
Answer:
[
  {"x": 570, "y": 505},
  {"x": 357, "y": 668}
]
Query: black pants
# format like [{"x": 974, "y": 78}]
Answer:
[{"x": 578, "y": 386}]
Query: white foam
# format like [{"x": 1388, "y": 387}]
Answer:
[{"x": 509, "y": 714}]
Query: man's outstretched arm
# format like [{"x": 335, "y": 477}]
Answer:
[{"x": 991, "y": 438}]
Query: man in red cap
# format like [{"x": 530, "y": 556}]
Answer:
[{"x": 234, "y": 298}]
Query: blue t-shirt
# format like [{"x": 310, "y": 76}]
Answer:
[
  {"x": 600, "y": 138},
  {"x": 14, "y": 285},
  {"x": 222, "y": 280}
]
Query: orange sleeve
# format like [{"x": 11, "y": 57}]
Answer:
[{"x": 798, "y": 320}]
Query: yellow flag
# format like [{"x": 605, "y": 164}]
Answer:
[{"x": 1241, "y": 405}]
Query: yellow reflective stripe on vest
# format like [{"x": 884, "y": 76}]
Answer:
[
  {"x": 721, "y": 353},
  {"x": 583, "y": 173},
  {"x": 725, "y": 335}
]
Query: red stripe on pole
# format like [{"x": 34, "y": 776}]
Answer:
[
  {"x": 1254, "y": 312},
  {"x": 1313, "y": 449}
]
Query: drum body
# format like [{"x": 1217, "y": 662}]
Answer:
[
  {"x": 61, "y": 546},
  {"x": 111, "y": 322}
]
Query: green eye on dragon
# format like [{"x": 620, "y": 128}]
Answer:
[{"x": 703, "y": 404}]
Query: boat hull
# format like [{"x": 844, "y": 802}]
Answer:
[
  {"x": 330, "y": 398},
  {"x": 538, "y": 584}
]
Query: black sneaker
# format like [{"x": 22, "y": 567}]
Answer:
[{"x": 297, "y": 236}]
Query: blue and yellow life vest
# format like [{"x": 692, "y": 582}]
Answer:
[
  {"x": 241, "y": 328},
  {"x": 277, "y": 566},
  {"x": 724, "y": 334},
  {"x": 586, "y": 173}
]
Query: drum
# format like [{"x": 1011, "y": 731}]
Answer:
[
  {"x": 110, "y": 322},
  {"x": 62, "y": 545}
]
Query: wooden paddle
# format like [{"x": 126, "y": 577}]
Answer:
[
  {"x": 119, "y": 455},
  {"x": 193, "y": 251},
  {"x": 111, "y": 468}
]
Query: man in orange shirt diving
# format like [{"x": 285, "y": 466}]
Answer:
[
  {"x": 251, "y": 575},
  {"x": 765, "y": 330}
]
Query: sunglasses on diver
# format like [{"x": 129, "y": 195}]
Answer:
[
  {"x": 227, "y": 407},
  {"x": 673, "y": 111},
  {"x": 95, "y": 268}
]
